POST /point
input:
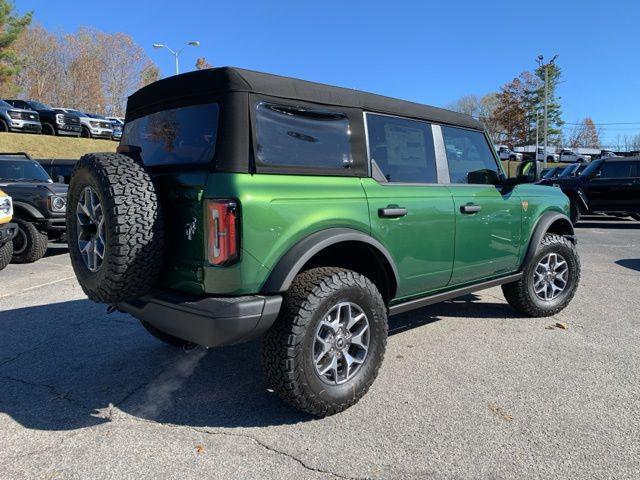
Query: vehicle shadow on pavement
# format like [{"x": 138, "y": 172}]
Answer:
[
  {"x": 65, "y": 366},
  {"x": 630, "y": 263}
]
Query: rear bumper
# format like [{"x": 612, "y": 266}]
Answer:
[
  {"x": 210, "y": 321},
  {"x": 7, "y": 232}
]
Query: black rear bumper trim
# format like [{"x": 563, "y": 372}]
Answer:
[{"x": 209, "y": 321}]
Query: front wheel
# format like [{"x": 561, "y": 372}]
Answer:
[
  {"x": 574, "y": 213},
  {"x": 549, "y": 280},
  {"x": 29, "y": 244},
  {"x": 324, "y": 350},
  {"x": 6, "y": 252}
]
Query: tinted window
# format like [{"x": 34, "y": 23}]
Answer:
[
  {"x": 301, "y": 137},
  {"x": 177, "y": 136},
  {"x": 617, "y": 170},
  {"x": 402, "y": 149},
  {"x": 22, "y": 170},
  {"x": 64, "y": 171},
  {"x": 467, "y": 152}
]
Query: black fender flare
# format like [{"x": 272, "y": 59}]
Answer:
[
  {"x": 541, "y": 228},
  {"x": 29, "y": 209},
  {"x": 292, "y": 262}
]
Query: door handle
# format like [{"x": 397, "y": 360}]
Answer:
[
  {"x": 392, "y": 211},
  {"x": 470, "y": 208}
]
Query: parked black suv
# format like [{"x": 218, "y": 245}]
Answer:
[
  {"x": 54, "y": 121},
  {"x": 39, "y": 205},
  {"x": 59, "y": 169},
  {"x": 608, "y": 185}
]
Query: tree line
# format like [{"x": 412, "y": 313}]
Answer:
[
  {"x": 514, "y": 115},
  {"x": 88, "y": 70}
]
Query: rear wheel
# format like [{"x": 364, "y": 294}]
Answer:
[
  {"x": 6, "y": 252},
  {"x": 549, "y": 281},
  {"x": 29, "y": 244},
  {"x": 323, "y": 352},
  {"x": 574, "y": 213}
]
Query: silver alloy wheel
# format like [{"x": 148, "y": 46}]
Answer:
[
  {"x": 20, "y": 242},
  {"x": 341, "y": 343},
  {"x": 550, "y": 276},
  {"x": 90, "y": 229}
]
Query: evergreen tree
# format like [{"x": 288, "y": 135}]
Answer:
[
  {"x": 554, "y": 109},
  {"x": 11, "y": 27}
]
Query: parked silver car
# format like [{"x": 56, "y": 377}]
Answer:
[
  {"x": 14, "y": 119},
  {"x": 92, "y": 127}
]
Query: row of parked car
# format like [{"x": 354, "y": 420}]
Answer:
[
  {"x": 30, "y": 116},
  {"x": 566, "y": 155}
]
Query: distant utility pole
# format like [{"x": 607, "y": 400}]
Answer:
[
  {"x": 176, "y": 53},
  {"x": 546, "y": 101}
]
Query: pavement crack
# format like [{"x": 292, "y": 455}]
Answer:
[
  {"x": 18, "y": 355},
  {"x": 271, "y": 449},
  {"x": 54, "y": 391}
]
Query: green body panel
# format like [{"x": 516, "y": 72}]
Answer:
[
  {"x": 422, "y": 242},
  {"x": 277, "y": 211},
  {"x": 434, "y": 246},
  {"x": 488, "y": 242}
]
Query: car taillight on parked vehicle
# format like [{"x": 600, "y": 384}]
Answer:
[{"x": 222, "y": 231}]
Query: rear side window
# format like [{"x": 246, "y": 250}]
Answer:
[
  {"x": 401, "y": 149},
  {"x": 184, "y": 135},
  {"x": 467, "y": 153},
  {"x": 306, "y": 138},
  {"x": 618, "y": 170}
]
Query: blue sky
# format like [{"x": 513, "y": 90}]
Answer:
[{"x": 429, "y": 52}]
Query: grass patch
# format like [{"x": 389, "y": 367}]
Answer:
[{"x": 45, "y": 146}]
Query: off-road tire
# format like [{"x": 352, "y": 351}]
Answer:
[
  {"x": 47, "y": 129},
  {"x": 520, "y": 294},
  {"x": 287, "y": 349},
  {"x": 574, "y": 213},
  {"x": 6, "y": 252},
  {"x": 165, "y": 337},
  {"x": 36, "y": 242},
  {"x": 134, "y": 233}
]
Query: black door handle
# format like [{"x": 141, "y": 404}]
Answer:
[
  {"x": 470, "y": 208},
  {"x": 392, "y": 211}
]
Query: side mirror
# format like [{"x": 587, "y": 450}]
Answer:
[
  {"x": 483, "y": 177},
  {"x": 60, "y": 179}
]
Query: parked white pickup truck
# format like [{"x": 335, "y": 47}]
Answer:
[
  {"x": 550, "y": 157},
  {"x": 505, "y": 153},
  {"x": 569, "y": 156}
]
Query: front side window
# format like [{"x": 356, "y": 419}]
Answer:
[
  {"x": 304, "y": 138},
  {"x": 468, "y": 154},
  {"x": 617, "y": 170},
  {"x": 185, "y": 135},
  {"x": 401, "y": 149}
]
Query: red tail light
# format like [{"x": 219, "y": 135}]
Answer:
[{"x": 222, "y": 231}]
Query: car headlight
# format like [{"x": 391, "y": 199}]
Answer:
[
  {"x": 6, "y": 207},
  {"x": 94, "y": 124},
  {"x": 60, "y": 118},
  {"x": 14, "y": 115},
  {"x": 57, "y": 203}
]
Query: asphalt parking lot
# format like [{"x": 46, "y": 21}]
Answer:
[{"x": 468, "y": 389}]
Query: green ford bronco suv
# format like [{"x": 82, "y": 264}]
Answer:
[{"x": 242, "y": 204}]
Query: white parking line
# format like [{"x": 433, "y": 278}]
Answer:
[{"x": 37, "y": 286}]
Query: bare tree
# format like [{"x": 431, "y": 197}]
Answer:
[
  {"x": 150, "y": 73},
  {"x": 467, "y": 104},
  {"x": 585, "y": 134},
  {"x": 202, "y": 64}
]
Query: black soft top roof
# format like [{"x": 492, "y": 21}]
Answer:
[{"x": 215, "y": 81}]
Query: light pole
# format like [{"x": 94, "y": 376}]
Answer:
[
  {"x": 176, "y": 54},
  {"x": 546, "y": 101}
]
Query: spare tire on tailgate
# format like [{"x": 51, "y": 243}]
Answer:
[{"x": 114, "y": 228}]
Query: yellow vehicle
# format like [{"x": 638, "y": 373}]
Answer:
[{"x": 7, "y": 230}]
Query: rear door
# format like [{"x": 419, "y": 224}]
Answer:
[
  {"x": 613, "y": 188},
  {"x": 410, "y": 213},
  {"x": 488, "y": 218}
]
